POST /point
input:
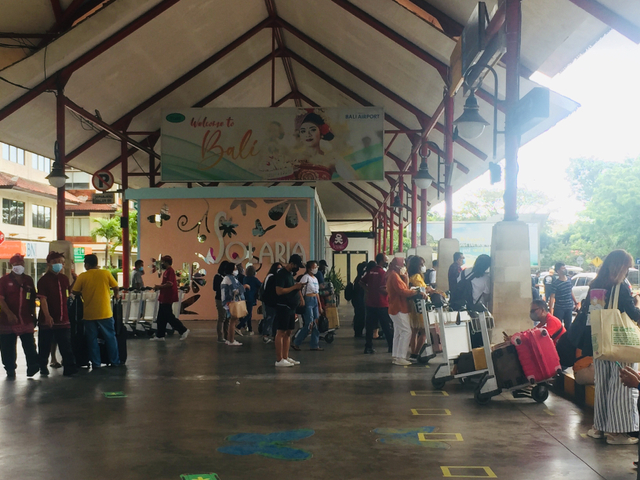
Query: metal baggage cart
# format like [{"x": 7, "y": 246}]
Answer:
[{"x": 456, "y": 339}]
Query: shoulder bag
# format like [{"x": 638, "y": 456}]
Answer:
[{"x": 614, "y": 336}]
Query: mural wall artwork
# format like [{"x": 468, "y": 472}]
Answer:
[{"x": 199, "y": 233}]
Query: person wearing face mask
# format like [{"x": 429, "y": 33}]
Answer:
[
  {"x": 377, "y": 303},
  {"x": 562, "y": 302},
  {"x": 137, "y": 283},
  {"x": 312, "y": 309},
  {"x": 17, "y": 317},
  {"x": 539, "y": 314},
  {"x": 168, "y": 296},
  {"x": 416, "y": 272},
  {"x": 232, "y": 290},
  {"x": 454, "y": 269},
  {"x": 269, "y": 300},
  {"x": 53, "y": 319},
  {"x": 399, "y": 297},
  {"x": 251, "y": 288},
  {"x": 288, "y": 298}
]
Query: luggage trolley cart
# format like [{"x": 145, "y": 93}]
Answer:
[
  {"x": 456, "y": 339},
  {"x": 488, "y": 386},
  {"x": 426, "y": 351},
  {"x": 132, "y": 306}
]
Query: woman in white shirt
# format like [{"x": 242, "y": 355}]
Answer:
[{"x": 312, "y": 309}]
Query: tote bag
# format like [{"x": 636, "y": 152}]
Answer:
[
  {"x": 238, "y": 308},
  {"x": 614, "y": 336}
]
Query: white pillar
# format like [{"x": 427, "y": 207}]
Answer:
[{"x": 511, "y": 278}]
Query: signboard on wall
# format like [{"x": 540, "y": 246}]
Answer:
[
  {"x": 78, "y": 254},
  {"x": 258, "y": 144},
  {"x": 338, "y": 241}
]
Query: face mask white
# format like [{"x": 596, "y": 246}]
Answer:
[
  {"x": 423, "y": 269},
  {"x": 18, "y": 269},
  {"x": 314, "y": 271},
  {"x": 235, "y": 273},
  {"x": 403, "y": 271}
]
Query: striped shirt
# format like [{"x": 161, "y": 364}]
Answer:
[{"x": 562, "y": 291}]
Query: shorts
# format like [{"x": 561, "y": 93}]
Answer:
[{"x": 285, "y": 318}]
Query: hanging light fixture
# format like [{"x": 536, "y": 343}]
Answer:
[
  {"x": 397, "y": 203},
  {"x": 422, "y": 178},
  {"x": 57, "y": 178},
  {"x": 470, "y": 124}
]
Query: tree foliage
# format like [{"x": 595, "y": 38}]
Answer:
[
  {"x": 611, "y": 216},
  {"x": 109, "y": 229}
]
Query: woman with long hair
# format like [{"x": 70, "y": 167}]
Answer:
[
  {"x": 312, "y": 309},
  {"x": 232, "y": 290},
  {"x": 416, "y": 270},
  {"x": 615, "y": 412},
  {"x": 223, "y": 322}
]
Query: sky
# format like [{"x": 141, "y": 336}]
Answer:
[{"x": 605, "y": 82}]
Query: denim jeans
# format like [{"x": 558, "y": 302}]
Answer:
[
  {"x": 107, "y": 329},
  {"x": 565, "y": 315},
  {"x": 247, "y": 320},
  {"x": 311, "y": 313},
  {"x": 267, "y": 324}
]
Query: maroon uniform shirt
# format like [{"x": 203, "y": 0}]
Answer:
[
  {"x": 55, "y": 288},
  {"x": 169, "y": 295},
  {"x": 376, "y": 282},
  {"x": 21, "y": 301}
]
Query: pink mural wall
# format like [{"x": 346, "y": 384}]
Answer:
[{"x": 208, "y": 231}]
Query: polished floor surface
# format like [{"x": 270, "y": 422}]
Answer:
[{"x": 354, "y": 416}]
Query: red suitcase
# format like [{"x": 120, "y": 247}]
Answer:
[{"x": 537, "y": 354}]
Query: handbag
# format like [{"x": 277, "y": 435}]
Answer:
[
  {"x": 579, "y": 333},
  {"x": 614, "y": 336},
  {"x": 238, "y": 308}
]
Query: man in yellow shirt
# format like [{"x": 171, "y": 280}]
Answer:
[{"x": 94, "y": 285}]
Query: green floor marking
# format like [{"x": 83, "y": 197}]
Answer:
[
  {"x": 199, "y": 476},
  {"x": 114, "y": 395}
]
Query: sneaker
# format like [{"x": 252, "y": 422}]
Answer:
[
  {"x": 369, "y": 351},
  {"x": 292, "y": 361},
  {"x": 32, "y": 371},
  {"x": 620, "y": 439},
  {"x": 250, "y": 333},
  {"x": 266, "y": 340},
  {"x": 401, "y": 361},
  {"x": 11, "y": 374},
  {"x": 185, "y": 334},
  {"x": 284, "y": 363},
  {"x": 239, "y": 333},
  {"x": 44, "y": 372},
  {"x": 413, "y": 358},
  {"x": 295, "y": 347},
  {"x": 235, "y": 343},
  {"x": 221, "y": 340},
  {"x": 593, "y": 433},
  {"x": 156, "y": 339}
]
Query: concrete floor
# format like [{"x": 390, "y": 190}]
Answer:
[{"x": 184, "y": 398}]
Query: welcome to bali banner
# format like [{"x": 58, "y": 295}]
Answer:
[{"x": 265, "y": 144}]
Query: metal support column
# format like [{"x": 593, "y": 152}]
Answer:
[
  {"x": 152, "y": 172},
  {"x": 448, "y": 150},
  {"x": 414, "y": 204},
  {"x": 384, "y": 231},
  {"x": 60, "y": 136},
  {"x": 392, "y": 223},
  {"x": 126, "y": 246},
  {"x": 401, "y": 216},
  {"x": 513, "y": 24},
  {"x": 423, "y": 217}
]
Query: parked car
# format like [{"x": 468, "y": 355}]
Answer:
[{"x": 580, "y": 283}]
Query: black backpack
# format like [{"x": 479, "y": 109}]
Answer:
[
  {"x": 348, "y": 292},
  {"x": 462, "y": 293},
  {"x": 268, "y": 295}
]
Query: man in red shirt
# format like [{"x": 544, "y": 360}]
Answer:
[
  {"x": 17, "y": 317},
  {"x": 168, "y": 295},
  {"x": 53, "y": 319},
  {"x": 539, "y": 312},
  {"x": 374, "y": 283}
]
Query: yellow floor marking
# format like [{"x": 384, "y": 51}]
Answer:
[
  {"x": 584, "y": 435},
  {"x": 429, "y": 393},
  {"x": 440, "y": 437},
  {"x": 430, "y": 411},
  {"x": 549, "y": 412},
  {"x": 488, "y": 473}
]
